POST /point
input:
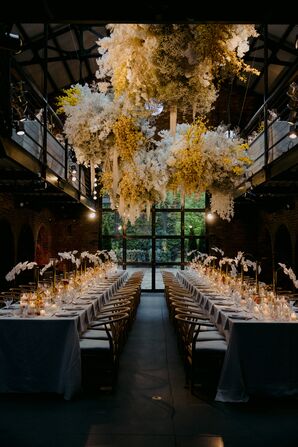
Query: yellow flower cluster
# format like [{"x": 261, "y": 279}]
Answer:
[
  {"x": 131, "y": 188},
  {"x": 107, "y": 182},
  {"x": 120, "y": 80},
  {"x": 189, "y": 167},
  {"x": 127, "y": 137},
  {"x": 71, "y": 98}
]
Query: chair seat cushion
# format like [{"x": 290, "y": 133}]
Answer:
[
  {"x": 95, "y": 334},
  {"x": 94, "y": 346},
  {"x": 211, "y": 345},
  {"x": 209, "y": 335}
]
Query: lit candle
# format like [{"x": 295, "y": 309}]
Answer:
[
  {"x": 42, "y": 312},
  {"x": 293, "y": 316}
]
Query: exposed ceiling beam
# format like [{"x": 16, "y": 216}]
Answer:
[
  {"x": 69, "y": 57},
  {"x": 65, "y": 64},
  {"x": 26, "y": 37},
  {"x": 275, "y": 61},
  {"x": 80, "y": 39},
  {"x": 38, "y": 41},
  {"x": 274, "y": 50}
]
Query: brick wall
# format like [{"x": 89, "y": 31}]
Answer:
[
  {"x": 256, "y": 230},
  {"x": 67, "y": 229}
]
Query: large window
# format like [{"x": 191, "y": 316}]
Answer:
[{"x": 175, "y": 228}]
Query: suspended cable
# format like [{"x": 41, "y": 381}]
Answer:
[
  {"x": 76, "y": 49},
  {"x": 245, "y": 95}
]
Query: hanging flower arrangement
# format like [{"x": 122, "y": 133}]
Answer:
[
  {"x": 143, "y": 70},
  {"x": 175, "y": 64},
  {"x": 90, "y": 117}
]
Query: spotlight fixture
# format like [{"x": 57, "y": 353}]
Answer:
[
  {"x": 293, "y": 133},
  {"x": 11, "y": 42},
  {"x": 20, "y": 127}
]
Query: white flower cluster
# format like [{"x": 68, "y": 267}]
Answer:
[
  {"x": 46, "y": 267},
  {"x": 70, "y": 255},
  {"x": 89, "y": 123},
  {"x": 218, "y": 250},
  {"x": 222, "y": 203},
  {"x": 290, "y": 273},
  {"x": 17, "y": 269}
]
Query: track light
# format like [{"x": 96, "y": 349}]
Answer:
[{"x": 293, "y": 133}]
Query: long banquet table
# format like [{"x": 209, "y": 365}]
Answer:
[
  {"x": 42, "y": 353},
  {"x": 261, "y": 358}
]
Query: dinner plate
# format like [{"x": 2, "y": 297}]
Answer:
[
  {"x": 239, "y": 317},
  {"x": 66, "y": 314},
  {"x": 82, "y": 302},
  {"x": 73, "y": 308},
  {"x": 5, "y": 313},
  {"x": 228, "y": 309}
]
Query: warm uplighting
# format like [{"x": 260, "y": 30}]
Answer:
[{"x": 210, "y": 217}]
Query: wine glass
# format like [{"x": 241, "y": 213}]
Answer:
[{"x": 8, "y": 300}]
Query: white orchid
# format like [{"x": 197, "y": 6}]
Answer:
[
  {"x": 289, "y": 271},
  {"x": 46, "y": 267},
  {"x": 18, "y": 268}
]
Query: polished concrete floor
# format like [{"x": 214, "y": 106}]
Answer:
[{"x": 150, "y": 407}]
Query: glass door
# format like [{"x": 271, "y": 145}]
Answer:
[{"x": 160, "y": 243}]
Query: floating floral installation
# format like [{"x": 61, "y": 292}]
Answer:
[
  {"x": 145, "y": 70},
  {"x": 175, "y": 64}
]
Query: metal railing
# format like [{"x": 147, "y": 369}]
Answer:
[
  {"x": 52, "y": 151},
  {"x": 268, "y": 143}
]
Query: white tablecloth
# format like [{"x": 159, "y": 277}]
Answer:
[
  {"x": 261, "y": 358},
  {"x": 42, "y": 354}
]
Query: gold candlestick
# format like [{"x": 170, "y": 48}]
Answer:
[{"x": 257, "y": 277}]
